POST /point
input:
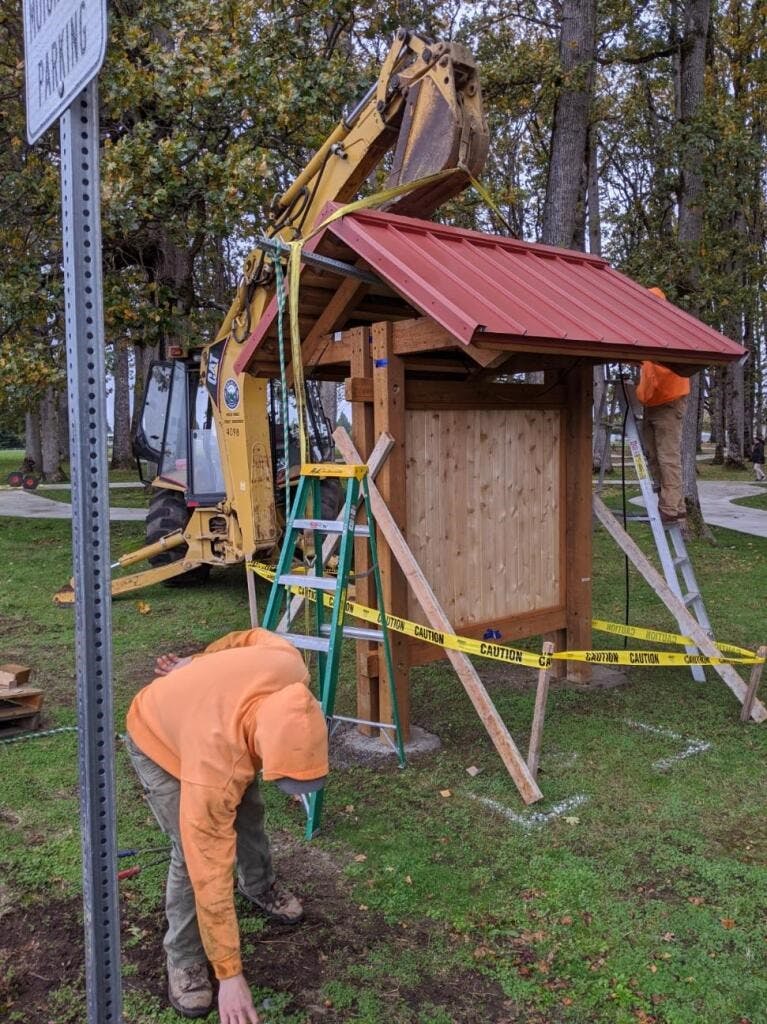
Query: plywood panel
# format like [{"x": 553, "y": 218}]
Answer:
[{"x": 484, "y": 509}]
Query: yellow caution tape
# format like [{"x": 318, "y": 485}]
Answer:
[
  {"x": 513, "y": 655},
  {"x": 659, "y": 637},
  {"x": 482, "y": 648}
]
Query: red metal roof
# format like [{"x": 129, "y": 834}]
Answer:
[{"x": 486, "y": 287}]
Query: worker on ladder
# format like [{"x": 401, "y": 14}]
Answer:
[
  {"x": 197, "y": 736},
  {"x": 664, "y": 395}
]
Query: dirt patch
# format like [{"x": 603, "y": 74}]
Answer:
[
  {"x": 41, "y": 950},
  {"x": 517, "y": 679}
]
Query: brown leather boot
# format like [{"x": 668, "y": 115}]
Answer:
[
  {"x": 190, "y": 991},
  {"x": 277, "y": 903}
]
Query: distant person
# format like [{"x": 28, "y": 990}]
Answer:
[
  {"x": 757, "y": 457},
  {"x": 664, "y": 395},
  {"x": 197, "y": 736}
]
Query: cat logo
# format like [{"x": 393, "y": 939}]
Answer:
[{"x": 213, "y": 364}]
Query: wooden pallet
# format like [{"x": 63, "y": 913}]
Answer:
[{"x": 20, "y": 709}]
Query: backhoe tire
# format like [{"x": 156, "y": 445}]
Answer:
[{"x": 168, "y": 512}]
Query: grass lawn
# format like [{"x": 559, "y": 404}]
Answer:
[
  {"x": 756, "y": 501},
  {"x": 646, "y": 901}
]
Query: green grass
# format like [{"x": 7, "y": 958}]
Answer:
[
  {"x": 648, "y": 904},
  {"x": 755, "y": 501}
]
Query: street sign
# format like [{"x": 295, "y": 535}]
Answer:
[{"x": 64, "y": 46}]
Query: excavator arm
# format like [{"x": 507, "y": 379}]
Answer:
[{"x": 426, "y": 105}]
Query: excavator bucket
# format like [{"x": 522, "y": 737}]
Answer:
[{"x": 443, "y": 125}]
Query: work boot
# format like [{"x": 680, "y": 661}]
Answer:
[
  {"x": 278, "y": 904},
  {"x": 189, "y": 990}
]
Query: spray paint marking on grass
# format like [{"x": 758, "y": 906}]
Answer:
[
  {"x": 535, "y": 819},
  {"x": 693, "y": 747}
]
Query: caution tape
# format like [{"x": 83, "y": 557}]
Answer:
[
  {"x": 659, "y": 637},
  {"x": 465, "y": 644},
  {"x": 513, "y": 655}
]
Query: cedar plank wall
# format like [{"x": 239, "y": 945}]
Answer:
[{"x": 484, "y": 499}]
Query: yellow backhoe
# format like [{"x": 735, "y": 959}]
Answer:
[{"x": 204, "y": 425}]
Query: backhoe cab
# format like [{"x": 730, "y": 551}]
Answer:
[{"x": 204, "y": 424}]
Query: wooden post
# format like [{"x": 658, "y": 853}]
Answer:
[
  {"x": 389, "y": 418},
  {"x": 753, "y": 686},
  {"x": 541, "y": 696},
  {"x": 578, "y": 558},
  {"x": 437, "y": 619},
  {"x": 363, "y": 435},
  {"x": 688, "y": 624}
]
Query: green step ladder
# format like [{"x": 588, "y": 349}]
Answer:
[{"x": 328, "y": 637}]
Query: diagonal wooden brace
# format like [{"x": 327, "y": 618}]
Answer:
[
  {"x": 438, "y": 620},
  {"x": 687, "y": 623}
]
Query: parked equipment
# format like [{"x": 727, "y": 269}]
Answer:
[{"x": 205, "y": 425}]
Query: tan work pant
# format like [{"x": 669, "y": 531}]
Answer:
[
  {"x": 662, "y": 436},
  {"x": 183, "y": 945}
]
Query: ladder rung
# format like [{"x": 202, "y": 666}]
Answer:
[
  {"x": 680, "y": 560},
  {"x": 308, "y": 643},
  {"x": 691, "y": 598},
  {"x": 329, "y": 526},
  {"x": 357, "y": 633},
  {"x": 311, "y": 582}
]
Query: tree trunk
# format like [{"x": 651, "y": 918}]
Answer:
[
  {"x": 563, "y": 220},
  {"x": 122, "y": 456},
  {"x": 49, "y": 434},
  {"x": 734, "y": 415},
  {"x": 692, "y": 67},
  {"x": 717, "y": 415},
  {"x": 32, "y": 444},
  {"x": 63, "y": 427}
]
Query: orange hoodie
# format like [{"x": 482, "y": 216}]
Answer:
[
  {"x": 213, "y": 724},
  {"x": 659, "y": 385}
]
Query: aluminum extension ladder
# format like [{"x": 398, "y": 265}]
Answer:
[
  {"x": 669, "y": 541},
  {"x": 328, "y": 638}
]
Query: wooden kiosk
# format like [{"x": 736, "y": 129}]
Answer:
[{"x": 490, "y": 479}]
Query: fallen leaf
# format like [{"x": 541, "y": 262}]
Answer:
[
  {"x": 473, "y": 771},
  {"x": 727, "y": 922},
  {"x": 445, "y": 793},
  {"x": 572, "y": 819},
  {"x": 697, "y": 901},
  {"x": 359, "y": 857},
  {"x": 143, "y": 607},
  {"x": 567, "y": 1001},
  {"x": 349, "y": 808},
  {"x": 362, "y": 906},
  {"x": 668, "y": 937},
  {"x": 408, "y": 880},
  {"x": 653, "y": 968},
  {"x": 566, "y": 919}
]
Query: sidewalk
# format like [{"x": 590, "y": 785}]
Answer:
[
  {"x": 716, "y": 502},
  {"x": 32, "y": 505}
]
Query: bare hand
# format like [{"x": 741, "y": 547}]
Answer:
[
  {"x": 167, "y": 662},
  {"x": 235, "y": 1003}
]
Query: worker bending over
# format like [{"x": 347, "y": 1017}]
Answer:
[
  {"x": 664, "y": 395},
  {"x": 197, "y": 736}
]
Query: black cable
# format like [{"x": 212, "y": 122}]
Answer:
[{"x": 623, "y": 493}]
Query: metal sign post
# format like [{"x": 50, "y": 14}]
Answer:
[
  {"x": 81, "y": 220},
  {"x": 64, "y": 45}
]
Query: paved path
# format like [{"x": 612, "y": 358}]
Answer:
[
  {"x": 32, "y": 505},
  {"x": 716, "y": 498},
  {"x": 716, "y": 502}
]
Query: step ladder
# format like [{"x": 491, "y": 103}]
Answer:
[
  {"x": 327, "y": 640},
  {"x": 672, "y": 550}
]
